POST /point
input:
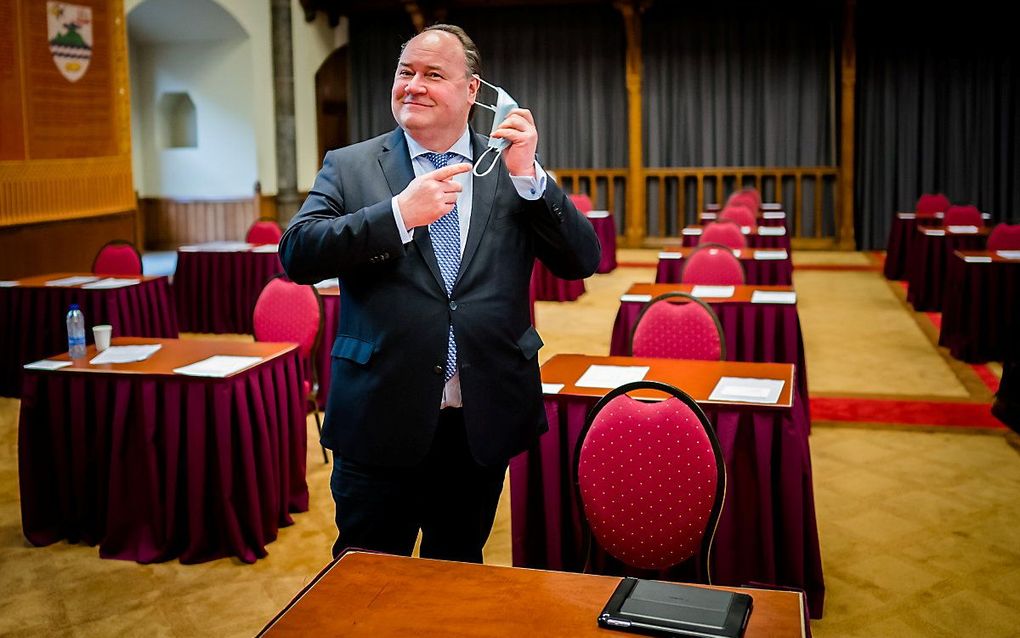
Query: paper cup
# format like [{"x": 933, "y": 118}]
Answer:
[{"x": 102, "y": 336}]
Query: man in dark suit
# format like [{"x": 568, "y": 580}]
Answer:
[{"x": 435, "y": 369}]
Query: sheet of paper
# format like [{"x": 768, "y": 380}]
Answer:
[
  {"x": 746, "y": 230},
  {"x": 747, "y": 390},
  {"x": 635, "y": 298},
  {"x": 771, "y": 231},
  {"x": 329, "y": 283},
  {"x": 266, "y": 248},
  {"x": 597, "y": 214},
  {"x": 774, "y": 296},
  {"x": 934, "y": 232},
  {"x": 46, "y": 364},
  {"x": 713, "y": 292},
  {"x": 598, "y": 376},
  {"x": 220, "y": 365},
  {"x": 962, "y": 230},
  {"x": 216, "y": 247},
  {"x": 907, "y": 215},
  {"x": 125, "y": 354},
  {"x": 774, "y": 215},
  {"x": 691, "y": 231},
  {"x": 111, "y": 282},
  {"x": 709, "y": 217},
  {"x": 771, "y": 206},
  {"x": 665, "y": 255},
  {"x": 8, "y": 283},
  {"x": 978, "y": 259},
  {"x": 1008, "y": 254},
  {"x": 551, "y": 388},
  {"x": 736, "y": 252},
  {"x": 72, "y": 281},
  {"x": 770, "y": 255}
]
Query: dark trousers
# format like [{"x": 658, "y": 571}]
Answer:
[{"x": 448, "y": 496}]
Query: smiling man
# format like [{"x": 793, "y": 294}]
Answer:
[{"x": 435, "y": 363}]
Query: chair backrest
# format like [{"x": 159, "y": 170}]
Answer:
[
  {"x": 739, "y": 214},
  {"x": 582, "y": 203},
  {"x": 726, "y": 233},
  {"x": 650, "y": 478},
  {"x": 676, "y": 325},
  {"x": 963, "y": 216},
  {"x": 117, "y": 257},
  {"x": 712, "y": 265},
  {"x": 1004, "y": 237},
  {"x": 749, "y": 197},
  {"x": 930, "y": 203},
  {"x": 264, "y": 231},
  {"x": 286, "y": 311}
]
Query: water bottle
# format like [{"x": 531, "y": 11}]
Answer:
[{"x": 75, "y": 332}]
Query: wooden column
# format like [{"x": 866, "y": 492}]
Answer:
[
  {"x": 636, "y": 224},
  {"x": 848, "y": 73}
]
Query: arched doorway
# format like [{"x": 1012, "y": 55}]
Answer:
[{"x": 331, "y": 90}]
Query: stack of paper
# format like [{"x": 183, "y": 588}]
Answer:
[
  {"x": 329, "y": 283},
  {"x": 597, "y": 376},
  {"x": 934, "y": 232},
  {"x": 774, "y": 215},
  {"x": 266, "y": 248},
  {"x": 774, "y": 296},
  {"x": 111, "y": 282},
  {"x": 963, "y": 230},
  {"x": 219, "y": 365},
  {"x": 691, "y": 231},
  {"x": 7, "y": 283},
  {"x": 770, "y": 254},
  {"x": 46, "y": 364},
  {"x": 665, "y": 255},
  {"x": 125, "y": 354},
  {"x": 771, "y": 231},
  {"x": 713, "y": 292},
  {"x": 636, "y": 298},
  {"x": 1008, "y": 254},
  {"x": 71, "y": 281},
  {"x": 597, "y": 214},
  {"x": 907, "y": 215},
  {"x": 745, "y": 390},
  {"x": 977, "y": 259}
]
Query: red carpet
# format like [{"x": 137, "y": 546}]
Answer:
[{"x": 911, "y": 413}]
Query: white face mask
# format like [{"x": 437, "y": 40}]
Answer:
[{"x": 504, "y": 104}]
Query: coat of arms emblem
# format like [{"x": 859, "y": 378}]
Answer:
[{"x": 69, "y": 28}]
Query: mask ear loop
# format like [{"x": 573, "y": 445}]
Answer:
[{"x": 495, "y": 160}]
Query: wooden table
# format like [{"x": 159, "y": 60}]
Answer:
[
  {"x": 771, "y": 237},
  {"x": 767, "y": 530},
  {"x": 152, "y": 465},
  {"x": 761, "y": 267},
  {"x": 381, "y": 596}
]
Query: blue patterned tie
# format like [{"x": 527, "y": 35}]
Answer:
[{"x": 445, "y": 233}]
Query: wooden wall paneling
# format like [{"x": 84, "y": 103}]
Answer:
[
  {"x": 12, "y": 124},
  {"x": 65, "y": 245},
  {"x": 170, "y": 223}
]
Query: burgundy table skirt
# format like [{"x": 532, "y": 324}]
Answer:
[
  {"x": 156, "y": 468},
  {"x": 898, "y": 246},
  {"x": 982, "y": 312},
  {"x": 546, "y": 286},
  {"x": 774, "y": 242},
  {"x": 605, "y": 230},
  {"x": 33, "y": 320},
  {"x": 764, "y": 333},
  {"x": 927, "y": 262},
  {"x": 216, "y": 291},
  {"x": 330, "y": 322},
  {"x": 757, "y": 272},
  {"x": 767, "y": 531}
]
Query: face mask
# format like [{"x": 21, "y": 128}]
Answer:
[{"x": 504, "y": 104}]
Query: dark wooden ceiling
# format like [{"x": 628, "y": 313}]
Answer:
[{"x": 430, "y": 9}]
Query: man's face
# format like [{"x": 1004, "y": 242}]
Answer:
[{"x": 432, "y": 93}]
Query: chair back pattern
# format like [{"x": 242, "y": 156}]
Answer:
[
  {"x": 963, "y": 216},
  {"x": 650, "y": 478},
  {"x": 930, "y": 203},
  {"x": 1004, "y": 237},
  {"x": 712, "y": 265},
  {"x": 264, "y": 231},
  {"x": 117, "y": 257},
  {"x": 676, "y": 325},
  {"x": 726, "y": 233}
]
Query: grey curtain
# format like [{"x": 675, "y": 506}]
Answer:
[
  {"x": 938, "y": 110},
  {"x": 375, "y": 40}
]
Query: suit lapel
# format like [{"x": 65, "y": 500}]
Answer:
[
  {"x": 395, "y": 161},
  {"x": 483, "y": 194}
]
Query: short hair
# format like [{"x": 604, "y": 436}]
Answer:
[{"x": 472, "y": 58}]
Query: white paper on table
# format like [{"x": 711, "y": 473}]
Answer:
[
  {"x": 219, "y": 365},
  {"x": 963, "y": 230},
  {"x": 747, "y": 390},
  {"x": 597, "y": 214},
  {"x": 125, "y": 354},
  {"x": 1008, "y": 254},
  {"x": 216, "y": 247},
  {"x": 551, "y": 388},
  {"x": 713, "y": 292},
  {"x": 977, "y": 259},
  {"x": 770, "y": 255},
  {"x": 774, "y": 215},
  {"x": 598, "y": 376},
  {"x": 939, "y": 215},
  {"x": 111, "y": 282},
  {"x": 636, "y": 298},
  {"x": 691, "y": 231},
  {"x": 7, "y": 283},
  {"x": 72, "y": 281},
  {"x": 771, "y": 231},
  {"x": 771, "y": 206},
  {"x": 907, "y": 215},
  {"x": 46, "y": 364},
  {"x": 774, "y": 296},
  {"x": 266, "y": 248},
  {"x": 671, "y": 255},
  {"x": 934, "y": 232},
  {"x": 709, "y": 216},
  {"x": 329, "y": 283},
  {"x": 746, "y": 230},
  {"x": 736, "y": 252}
]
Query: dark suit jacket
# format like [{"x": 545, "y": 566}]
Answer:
[{"x": 390, "y": 348}]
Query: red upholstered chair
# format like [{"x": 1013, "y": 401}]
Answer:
[
  {"x": 712, "y": 265},
  {"x": 676, "y": 325},
  {"x": 963, "y": 216},
  {"x": 117, "y": 257},
  {"x": 726, "y": 233},
  {"x": 930, "y": 203},
  {"x": 582, "y": 203},
  {"x": 1004, "y": 237},
  {"x": 264, "y": 231},
  {"x": 650, "y": 478},
  {"x": 286, "y": 311},
  {"x": 739, "y": 214},
  {"x": 747, "y": 197}
]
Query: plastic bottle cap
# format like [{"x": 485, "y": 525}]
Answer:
[{"x": 74, "y": 306}]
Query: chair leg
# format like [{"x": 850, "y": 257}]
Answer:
[{"x": 318, "y": 425}]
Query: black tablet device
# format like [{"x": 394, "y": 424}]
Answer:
[{"x": 671, "y": 609}]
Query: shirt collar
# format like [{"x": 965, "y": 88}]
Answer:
[{"x": 461, "y": 147}]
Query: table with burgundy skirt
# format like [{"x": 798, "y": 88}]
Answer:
[
  {"x": 767, "y": 532},
  {"x": 769, "y": 267},
  {"x": 153, "y": 465},
  {"x": 33, "y": 311},
  {"x": 216, "y": 285},
  {"x": 546, "y": 286},
  {"x": 928, "y": 260},
  {"x": 605, "y": 230},
  {"x": 774, "y": 237},
  {"x": 981, "y": 308}
]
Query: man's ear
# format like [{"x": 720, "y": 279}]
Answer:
[{"x": 473, "y": 86}]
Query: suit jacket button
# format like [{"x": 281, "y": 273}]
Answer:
[
  {"x": 453, "y": 305},
  {"x": 438, "y": 369}
]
